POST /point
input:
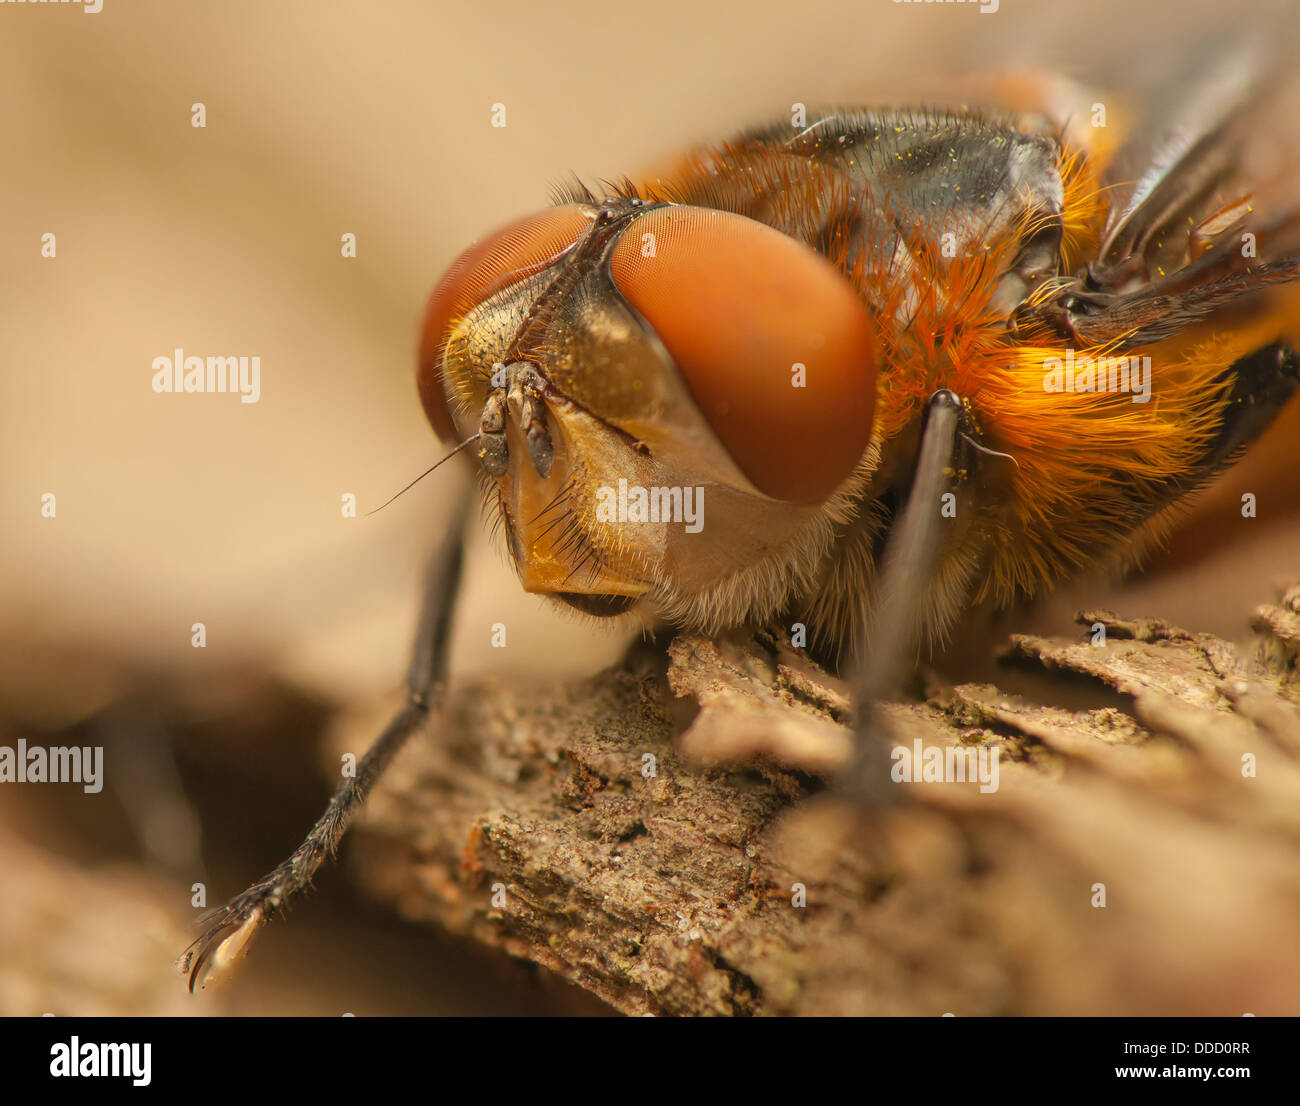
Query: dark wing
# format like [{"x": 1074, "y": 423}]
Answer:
[
  {"x": 1185, "y": 192},
  {"x": 886, "y": 184}
]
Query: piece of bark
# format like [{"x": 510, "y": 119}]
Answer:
[{"x": 650, "y": 832}]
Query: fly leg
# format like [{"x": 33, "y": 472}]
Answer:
[
  {"x": 232, "y": 926},
  {"x": 912, "y": 559}
]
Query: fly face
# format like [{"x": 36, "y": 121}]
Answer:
[{"x": 671, "y": 402}]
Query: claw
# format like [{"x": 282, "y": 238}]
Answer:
[{"x": 214, "y": 952}]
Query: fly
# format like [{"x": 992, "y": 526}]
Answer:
[{"x": 860, "y": 374}]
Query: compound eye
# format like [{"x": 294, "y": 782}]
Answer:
[
  {"x": 773, "y": 343},
  {"x": 494, "y": 262}
]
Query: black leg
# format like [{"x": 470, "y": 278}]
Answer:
[
  {"x": 234, "y": 924},
  {"x": 911, "y": 561}
]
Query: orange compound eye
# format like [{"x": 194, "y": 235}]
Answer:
[
  {"x": 773, "y": 343},
  {"x": 494, "y": 262}
]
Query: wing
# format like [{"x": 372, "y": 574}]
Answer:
[
  {"x": 877, "y": 191},
  {"x": 1203, "y": 215}
]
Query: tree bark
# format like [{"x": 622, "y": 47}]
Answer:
[{"x": 662, "y": 835}]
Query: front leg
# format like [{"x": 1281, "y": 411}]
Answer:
[
  {"x": 233, "y": 925},
  {"x": 912, "y": 559}
]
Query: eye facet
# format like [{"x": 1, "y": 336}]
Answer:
[
  {"x": 494, "y": 262},
  {"x": 773, "y": 343}
]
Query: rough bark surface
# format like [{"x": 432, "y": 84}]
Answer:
[{"x": 648, "y": 833}]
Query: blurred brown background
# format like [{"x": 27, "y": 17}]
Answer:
[{"x": 325, "y": 118}]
